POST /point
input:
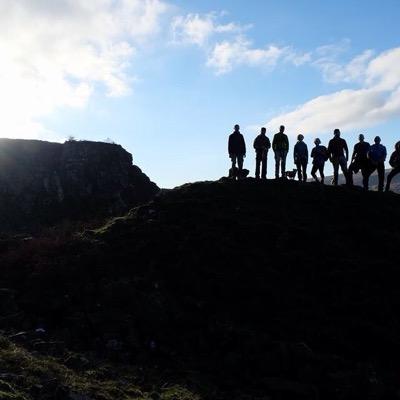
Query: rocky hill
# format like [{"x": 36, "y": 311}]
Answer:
[
  {"x": 42, "y": 183},
  {"x": 213, "y": 290}
]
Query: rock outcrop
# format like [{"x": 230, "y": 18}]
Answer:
[{"x": 43, "y": 182}]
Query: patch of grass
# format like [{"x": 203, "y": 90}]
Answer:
[
  {"x": 8, "y": 392},
  {"x": 30, "y": 372},
  {"x": 178, "y": 393}
]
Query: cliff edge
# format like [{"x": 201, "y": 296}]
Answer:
[{"x": 42, "y": 183}]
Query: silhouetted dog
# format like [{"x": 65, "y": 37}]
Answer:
[
  {"x": 291, "y": 174},
  {"x": 234, "y": 173}
]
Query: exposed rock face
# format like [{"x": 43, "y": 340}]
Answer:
[{"x": 42, "y": 182}]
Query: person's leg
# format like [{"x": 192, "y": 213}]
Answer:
[
  {"x": 313, "y": 171},
  {"x": 335, "y": 163},
  {"x": 364, "y": 173},
  {"x": 370, "y": 171},
  {"x": 233, "y": 159},
  {"x": 258, "y": 162},
  {"x": 264, "y": 167},
  {"x": 299, "y": 174},
  {"x": 350, "y": 173},
  {"x": 343, "y": 167},
  {"x": 283, "y": 165},
  {"x": 240, "y": 162},
  {"x": 232, "y": 171},
  {"x": 304, "y": 166},
  {"x": 391, "y": 175},
  {"x": 381, "y": 176},
  {"x": 367, "y": 170},
  {"x": 321, "y": 172},
  {"x": 277, "y": 161}
]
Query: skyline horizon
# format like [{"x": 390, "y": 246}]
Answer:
[{"x": 168, "y": 80}]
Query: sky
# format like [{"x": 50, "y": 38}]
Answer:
[{"x": 168, "y": 80}]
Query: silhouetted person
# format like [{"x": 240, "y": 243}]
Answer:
[
  {"x": 300, "y": 154},
  {"x": 319, "y": 154},
  {"x": 237, "y": 149},
  {"x": 280, "y": 145},
  {"x": 338, "y": 153},
  {"x": 359, "y": 161},
  {"x": 395, "y": 164},
  {"x": 261, "y": 145},
  {"x": 377, "y": 156}
]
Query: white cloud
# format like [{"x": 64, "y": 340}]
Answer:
[
  {"x": 354, "y": 71},
  {"x": 383, "y": 71},
  {"x": 55, "y": 53},
  {"x": 197, "y": 29},
  {"x": 228, "y": 54},
  {"x": 233, "y": 48},
  {"x": 376, "y": 101}
]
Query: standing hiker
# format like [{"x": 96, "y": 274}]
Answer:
[
  {"x": 261, "y": 145},
  {"x": 319, "y": 154},
  {"x": 395, "y": 164},
  {"x": 338, "y": 153},
  {"x": 377, "y": 156},
  {"x": 237, "y": 151},
  {"x": 300, "y": 154},
  {"x": 359, "y": 161},
  {"x": 280, "y": 145}
]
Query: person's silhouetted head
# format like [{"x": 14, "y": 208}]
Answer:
[
  {"x": 236, "y": 128},
  {"x": 281, "y": 129},
  {"x": 317, "y": 141},
  {"x": 263, "y": 131},
  {"x": 300, "y": 138},
  {"x": 377, "y": 140},
  {"x": 397, "y": 146},
  {"x": 361, "y": 137},
  {"x": 336, "y": 132}
]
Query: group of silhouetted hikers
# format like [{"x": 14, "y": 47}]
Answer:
[{"x": 365, "y": 158}]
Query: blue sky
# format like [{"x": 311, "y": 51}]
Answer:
[{"x": 168, "y": 79}]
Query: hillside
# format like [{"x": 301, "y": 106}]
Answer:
[
  {"x": 214, "y": 290},
  {"x": 43, "y": 183}
]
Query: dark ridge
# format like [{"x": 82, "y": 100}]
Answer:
[{"x": 248, "y": 289}]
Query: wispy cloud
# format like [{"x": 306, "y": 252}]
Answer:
[
  {"x": 234, "y": 49},
  {"x": 377, "y": 100},
  {"x": 55, "y": 53},
  {"x": 197, "y": 29},
  {"x": 328, "y": 58}
]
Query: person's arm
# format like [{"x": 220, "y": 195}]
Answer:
[
  {"x": 274, "y": 143},
  {"x": 287, "y": 143},
  {"x": 346, "y": 150},
  {"x": 255, "y": 144},
  {"x": 268, "y": 144},
  {"x": 230, "y": 146},
  {"x": 243, "y": 146},
  {"x": 385, "y": 154},
  {"x": 353, "y": 156},
  {"x": 295, "y": 152},
  {"x": 307, "y": 153}
]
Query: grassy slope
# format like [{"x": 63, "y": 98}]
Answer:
[{"x": 260, "y": 288}]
